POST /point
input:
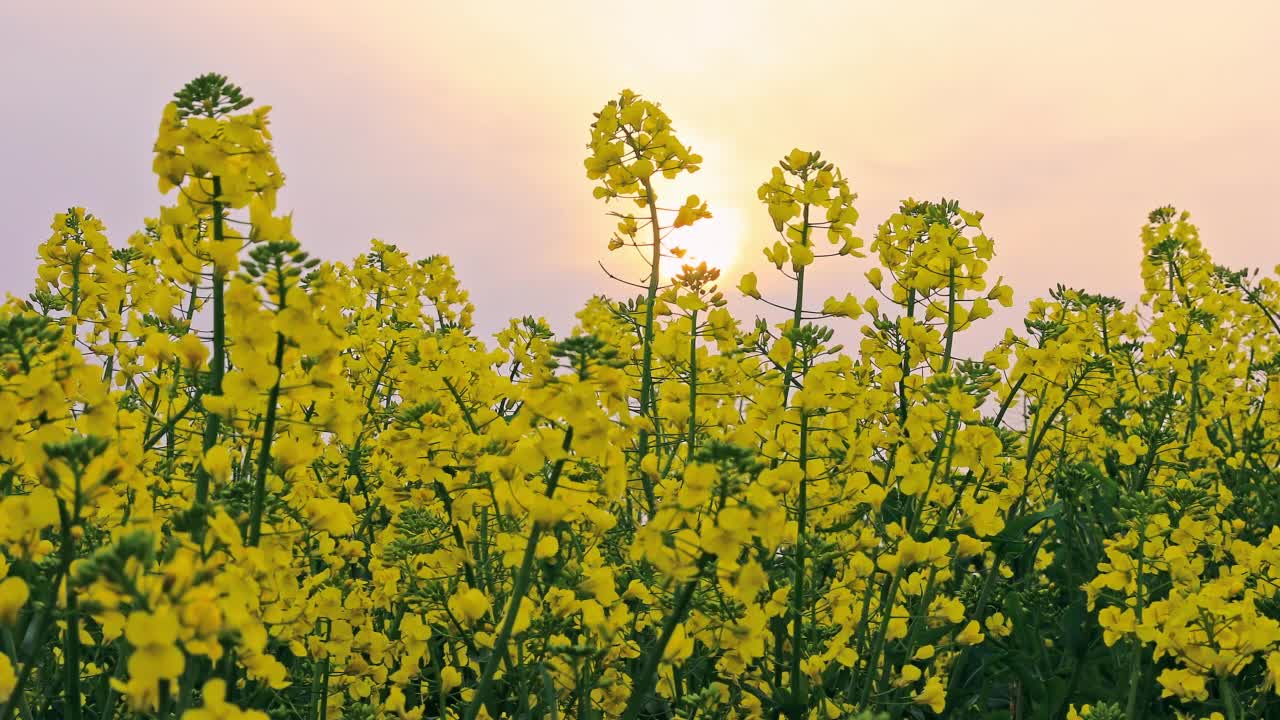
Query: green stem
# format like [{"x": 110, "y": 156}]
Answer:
[
  {"x": 521, "y": 586},
  {"x": 12, "y": 650},
  {"x": 906, "y": 365},
  {"x": 71, "y": 637},
  {"x": 1228, "y": 697},
  {"x": 796, "y": 704},
  {"x": 45, "y": 624},
  {"x": 109, "y": 693},
  {"x": 693, "y": 382},
  {"x": 646, "y": 362},
  {"x": 798, "y": 310},
  {"x": 647, "y": 678},
  {"x": 798, "y": 701},
  {"x": 109, "y": 365},
  {"x": 1135, "y": 669},
  {"x": 217, "y": 363},
  {"x": 887, "y": 603},
  {"x": 264, "y": 456},
  {"x": 951, "y": 316}
]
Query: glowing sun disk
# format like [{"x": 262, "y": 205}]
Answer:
[{"x": 717, "y": 241}]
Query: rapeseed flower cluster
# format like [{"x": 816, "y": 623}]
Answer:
[{"x": 237, "y": 482}]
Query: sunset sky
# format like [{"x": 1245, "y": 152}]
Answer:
[{"x": 459, "y": 128}]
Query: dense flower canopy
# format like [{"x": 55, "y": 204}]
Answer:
[{"x": 238, "y": 482}]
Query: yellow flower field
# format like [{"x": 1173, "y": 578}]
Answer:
[{"x": 239, "y": 482}]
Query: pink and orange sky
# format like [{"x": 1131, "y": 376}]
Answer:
[{"x": 459, "y": 128}]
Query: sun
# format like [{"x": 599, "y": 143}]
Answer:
[{"x": 717, "y": 241}]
